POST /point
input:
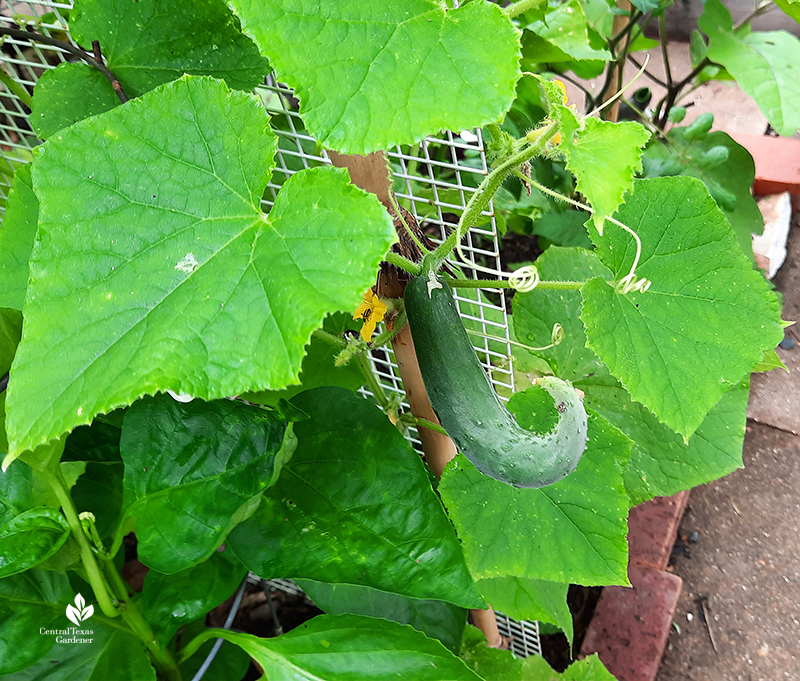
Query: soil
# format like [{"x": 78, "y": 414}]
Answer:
[
  {"x": 744, "y": 569},
  {"x": 741, "y": 580}
]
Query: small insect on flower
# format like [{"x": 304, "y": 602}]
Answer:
[{"x": 372, "y": 311}]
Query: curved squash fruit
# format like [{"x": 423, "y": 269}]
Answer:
[{"x": 470, "y": 411}]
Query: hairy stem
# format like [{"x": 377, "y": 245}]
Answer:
[
  {"x": 403, "y": 263},
  {"x": 487, "y": 189},
  {"x": 491, "y": 283},
  {"x": 411, "y": 420},
  {"x": 329, "y": 338}
]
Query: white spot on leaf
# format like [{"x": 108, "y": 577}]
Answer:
[{"x": 188, "y": 263}]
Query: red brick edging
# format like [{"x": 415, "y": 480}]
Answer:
[
  {"x": 630, "y": 625},
  {"x": 777, "y": 164}
]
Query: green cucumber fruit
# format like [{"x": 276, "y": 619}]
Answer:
[{"x": 469, "y": 409}]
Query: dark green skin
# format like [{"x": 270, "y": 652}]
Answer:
[{"x": 463, "y": 398}]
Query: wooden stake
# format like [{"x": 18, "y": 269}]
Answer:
[
  {"x": 371, "y": 173},
  {"x": 620, "y": 22}
]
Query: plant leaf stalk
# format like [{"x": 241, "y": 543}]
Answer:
[
  {"x": 162, "y": 657},
  {"x": 107, "y": 603},
  {"x": 503, "y": 283},
  {"x": 112, "y": 605}
]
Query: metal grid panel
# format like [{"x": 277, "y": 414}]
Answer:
[
  {"x": 433, "y": 179},
  {"x": 524, "y": 635}
]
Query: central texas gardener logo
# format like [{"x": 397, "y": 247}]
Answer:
[{"x": 77, "y": 613}]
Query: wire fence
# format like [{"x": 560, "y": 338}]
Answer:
[{"x": 434, "y": 180}]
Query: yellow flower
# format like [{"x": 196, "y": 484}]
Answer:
[
  {"x": 563, "y": 89},
  {"x": 371, "y": 311},
  {"x": 557, "y": 137}
]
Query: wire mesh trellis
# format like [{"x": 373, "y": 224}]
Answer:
[{"x": 433, "y": 180}]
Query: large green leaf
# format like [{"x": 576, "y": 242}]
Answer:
[
  {"x": 705, "y": 322},
  {"x": 351, "y": 648},
  {"x": 150, "y": 42},
  {"x": 17, "y": 233},
  {"x": 536, "y": 312},
  {"x": 355, "y": 506},
  {"x": 30, "y": 538},
  {"x": 370, "y": 76},
  {"x": 563, "y": 28},
  {"x": 435, "y": 619},
  {"x": 156, "y": 269},
  {"x": 68, "y": 94},
  {"x": 193, "y": 472},
  {"x": 29, "y": 601},
  {"x": 604, "y": 157},
  {"x": 661, "y": 463},
  {"x": 573, "y": 531},
  {"x": 105, "y": 651},
  {"x": 15, "y": 492},
  {"x": 170, "y": 601},
  {"x": 501, "y": 665},
  {"x": 725, "y": 167},
  {"x": 765, "y": 64},
  {"x": 99, "y": 491},
  {"x": 30, "y": 530},
  {"x": 529, "y": 599}
]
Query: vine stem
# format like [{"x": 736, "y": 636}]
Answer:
[
  {"x": 163, "y": 658},
  {"x": 483, "y": 283},
  {"x": 487, "y": 189},
  {"x": 403, "y": 263},
  {"x": 662, "y": 38},
  {"x": 673, "y": 92},
  {"x": 71, "y": 49},
  {"x": 398, "y": 212},
  {"x": 329, "y": 338},
  {"x": 111, "y": 606},
  {"x": 56, "y": 481},
  {"x": 417, "y": 421},
  {"x": 372, "y": 381}
]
